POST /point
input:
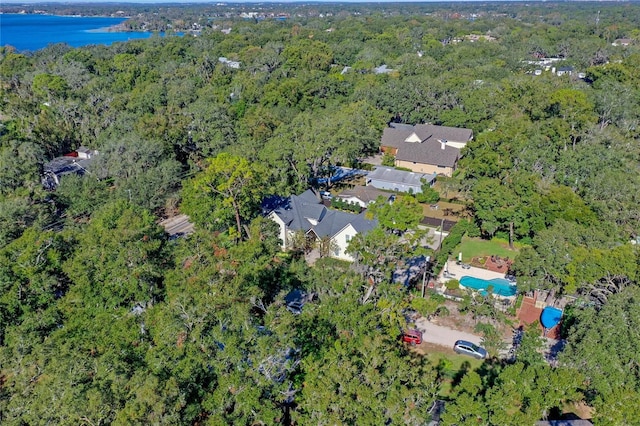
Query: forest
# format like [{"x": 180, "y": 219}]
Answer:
[{"x": 104, "y": 319}]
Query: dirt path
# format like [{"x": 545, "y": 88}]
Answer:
[{"x": 443, "y": 336}]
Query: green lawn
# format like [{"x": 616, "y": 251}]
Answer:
[
  {"x": 475, "y": 247},
  {"x": 454, "y": 364}
]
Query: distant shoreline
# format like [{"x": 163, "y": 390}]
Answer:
[
  {"x": 125, "y": 17},
  {"x": 46, "y": 29},
  {"x": 117, "y": 28}
]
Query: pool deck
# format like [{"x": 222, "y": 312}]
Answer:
[{"x": 457, "y": 271}]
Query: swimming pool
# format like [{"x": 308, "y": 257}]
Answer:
[
  {"x": 550, "y": 317},
  {"x": 500, "y": 286}
]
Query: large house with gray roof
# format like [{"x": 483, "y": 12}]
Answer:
[
  {"x": 425, "y": 148},
  {"x": 306, "y": 213}
]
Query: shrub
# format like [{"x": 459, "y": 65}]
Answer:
[
  {"x": 388, "y": 160},
  {"x": 451, "y": 241},
  {"x": 473, "y": 230},
  {"x": 502, "y": 235},
  {"x": 452, "y": 284},
  {"x": 340, "y": 204},
  {"x": 365, "y": 166},
  {"x": 428, "y": 195}
]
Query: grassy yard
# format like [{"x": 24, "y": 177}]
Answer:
[
  {"x": 449, "y": 211},
  {"x": 454, "y": 365},
  {"x": 476, "y": 247}
]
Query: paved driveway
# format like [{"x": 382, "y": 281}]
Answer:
[{"x": 443, "y": 336}]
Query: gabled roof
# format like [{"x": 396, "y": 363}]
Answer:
[
  {"x": 336, "y": 221},
  {"x": 65, "y": 165},
  {"x": 382, "y": 69},
  {"x": 622, "y": 41},
  {"x": 366, "y": 194},
  {"x": 296, "y": 211},
  {"x": 571, "y": 422},
  {"x": 299, "y": 212},
  {"x": 397, "y": 134},
  {"x": 391, "y": 175},
  {"x": 429, "y": 152}
]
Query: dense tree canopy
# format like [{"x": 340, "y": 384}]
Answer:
[
  {"x": 105, "y": 320},
  {"x": 603, "y": 344}
]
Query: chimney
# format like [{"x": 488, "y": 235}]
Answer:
[{"x": 443, "y": 143}]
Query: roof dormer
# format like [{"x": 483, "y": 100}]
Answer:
[{"x": 413, "y": 137}]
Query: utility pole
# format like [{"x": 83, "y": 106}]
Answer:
[
  {"x": 441, "y": 231},
  {"x": 424, "y": 274}
]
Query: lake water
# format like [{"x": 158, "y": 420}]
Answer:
[{"x": 33, "y": 32}]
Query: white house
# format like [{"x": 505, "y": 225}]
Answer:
[
  {"x": 363, "y": 195},
  {"x": 229, "y": 63},
  {"x": 306, "y": 213}
]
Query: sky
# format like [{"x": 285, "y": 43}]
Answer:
[{"x": 25, "y": 2}]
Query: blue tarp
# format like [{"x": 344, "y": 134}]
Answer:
[{"x": 340, "y": 173}]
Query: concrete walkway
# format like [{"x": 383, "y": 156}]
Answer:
[
  {"x": 457, "y": 271},
  {"x": 443, "y": 336}
]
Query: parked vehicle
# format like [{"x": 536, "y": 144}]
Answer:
[
  {"x": 295, "y": 307},
  {"x": 413, "y": 337},
  {"x": 295, "y": 301},
  {"x": 467, "y": 348}
]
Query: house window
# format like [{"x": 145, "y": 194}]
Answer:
[{"x": 347, "y": 238}]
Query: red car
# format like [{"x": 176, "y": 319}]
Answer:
[{"x": 414, "y": 337}]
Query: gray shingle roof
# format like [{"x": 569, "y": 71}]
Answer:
[
  {"x": 389, "y": 174},
  {"x": 395, "y": 135},
  {"x": 382, "y": 69},
  {"x": 336, "y": 221},
  {"x": 65, "y": 165},
  {"x": 296, "y": 211},
  {"x": 428, "y": 152},
  {"x": 365, "y": 194}
]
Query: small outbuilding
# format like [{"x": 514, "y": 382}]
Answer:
[
  {"x": 399, "y": 180},
  {"x": 364, "y": 195}
]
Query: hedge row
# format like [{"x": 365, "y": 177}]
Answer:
[
  {"x": 340, "y": 204},
  {"x": 451, "y": 242}
]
